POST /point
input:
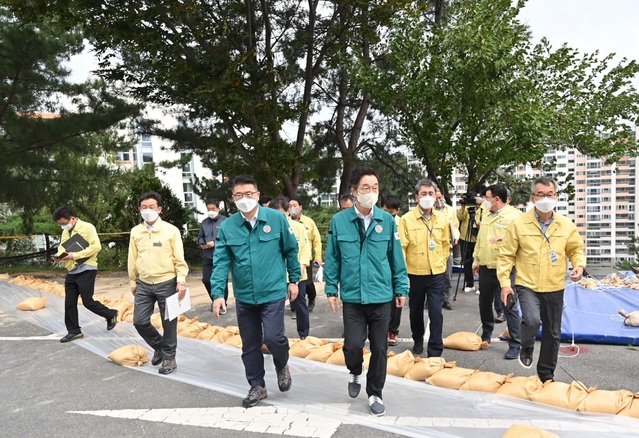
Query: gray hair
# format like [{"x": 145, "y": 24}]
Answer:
[
  {"x": 543, "y": 180},
  {"x": 425, "y": 183}
]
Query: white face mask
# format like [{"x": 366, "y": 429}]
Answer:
[
  {"x": 245, "y": 204},
  {"x": 295, "y": 211},
  {"x": 367, "y": 200},
  {"x": 67, "y": 227},
  {"x": 426, "y": 202},
  {"x": 149, "y": 215},
  {"x": 487, "y": 204},
  {"x": 546, "y": 205},
  {"x": 212, "y": 214}
]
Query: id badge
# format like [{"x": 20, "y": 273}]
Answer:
[
  {"x": 431, "y": 246},
  {"x": 553, "y": 256}
]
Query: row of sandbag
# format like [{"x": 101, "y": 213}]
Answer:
[{"x": 435, "y": 371}]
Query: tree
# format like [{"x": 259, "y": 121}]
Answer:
[
  {"x": 469, "y": 90},
  {"x": 38, "y": 152},
  {"x": 243, "y": 77}
]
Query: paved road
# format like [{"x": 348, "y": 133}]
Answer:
[{"x": 53, "y": 389}]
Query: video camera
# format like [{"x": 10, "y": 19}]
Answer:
[{"x": 468, "y": 199}]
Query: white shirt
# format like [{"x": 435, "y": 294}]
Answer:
[
  {"x": 252, "y": 221},
  {"x": 367, "y": 218}
]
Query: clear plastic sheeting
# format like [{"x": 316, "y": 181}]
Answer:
[{"x": 412, "y": 408}]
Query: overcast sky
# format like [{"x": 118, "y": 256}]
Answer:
[{"x": 587, "y": 25}]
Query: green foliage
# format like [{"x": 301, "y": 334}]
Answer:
[
  {"x": 48, "y": 159},
  {"x": 471, "y": 91},
  {"x": 633, "y": 248}
]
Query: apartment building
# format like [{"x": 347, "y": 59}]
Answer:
[{"x": 603, "y": 207}]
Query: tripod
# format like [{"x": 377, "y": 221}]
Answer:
[{"x": 471, "y": 230}]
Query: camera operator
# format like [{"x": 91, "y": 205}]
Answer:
[{"x": 469, "y": 216}]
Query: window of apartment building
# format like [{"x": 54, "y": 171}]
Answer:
[{"x": 593, "y": 209}]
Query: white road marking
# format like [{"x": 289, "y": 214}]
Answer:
[
  {"x": 262, "y": 419},
  {"x": 282, "y": 421},
  {"x": 51, "y": 337}
]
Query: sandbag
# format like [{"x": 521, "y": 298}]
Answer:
[
  {"x": 209, "y": 332},
  {"x": 452, "y": 378},
  {"x": 422, "y": 368},
  {"x": 223, "y": 335},
  {"x": 561, "y": 394},
  {"x": 193, "y": 329},
  {"x": 632, "y": 409},
  {"x": 631, "y": 319},
  {"x": 127, "y": 316},
  {"x": 234, "y": 341},
  {"x": 464, "y": 341},
  {"x": 323, "y": 352},
  {"x": 156, "y": 320},
  {"x": 520, "y": 386},
  {"x": 399, "y": 364},
  {"x": 131, "y": 355},
  {"x": 484, "y": 381},
  {"x": 521, "y": 431},
  {"x": 337, "y": 358},
  {"x": 303, "y": 347},
  {"x": 606, "y": 402},
  {"x": 32, "y": 303},
  {"x": 122, "y": 306}
]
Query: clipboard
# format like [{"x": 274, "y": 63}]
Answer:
[{"x": 76, "y": 243}]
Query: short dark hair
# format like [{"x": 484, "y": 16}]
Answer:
[
  {"x": 279, "y": 203},
  {"x": 359, "y": 173},
  {"x": 499, "y": 191},
  {"x": 63, "y": 212},
  {"x": 391, "y": 201},
  {"x": 150, "y": 195},
  {"x": 345, "y": 198},
  {"x": 243, "y": 179},
  {"x": 213, "y": 201},
  {"x": 264, "y": 199},
  {"x": 297, "y": 199}
]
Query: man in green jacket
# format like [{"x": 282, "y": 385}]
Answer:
[
  {"x": 260, "y": 245},
  {"x": 364, "y": 257},
  {"x": 82, "y": 267}
]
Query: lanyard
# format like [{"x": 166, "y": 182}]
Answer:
[{"x": 544, "y": 234}]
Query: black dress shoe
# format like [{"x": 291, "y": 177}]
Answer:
[
  {"x": 71, "y": 337},
  {"x": 157, "y": 357},
  {"x": 526, "y": 357},
  {"x": 418, "y": 348},
  {"x": 311, "y": 305},
  {"x": 447, "y": 306},
  {"x": 501, "y": 317},
  {"x": 168, "y": 366}
]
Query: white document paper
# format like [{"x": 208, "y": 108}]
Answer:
[{"x": 175, "y": 307}]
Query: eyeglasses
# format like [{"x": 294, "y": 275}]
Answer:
[
  {"x": 237, "y": 196},
  {"x": 545, "y": 195},
  {"x": 367, "y": 189}
]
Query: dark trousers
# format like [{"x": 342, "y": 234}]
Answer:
[
  {"x": 427, "y": 288},
  {"x": 543, "y": 308},
  {"x": 261, "y": 323},
  {"x": 311, "y": 293},
  {"x": 207, "y": 272},
  {"x": 468, "y": 248},
  {"x": 448, "y": 278},
  {"x": 82, "y": 285},
  {"x": 300, "y": 307},
  {"x": 362, "y": 321},
  {"x": 488, "y": 287},
  {"x": 145, "y": 298},
  {"x": 395, "y": 319}
]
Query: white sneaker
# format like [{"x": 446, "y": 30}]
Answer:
[
  {"x": 469, "y": 289},
  {"x": 376, "y": 405}
]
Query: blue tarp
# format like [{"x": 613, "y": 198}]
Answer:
[{"x": 591, "y": 315}]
